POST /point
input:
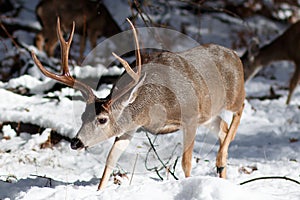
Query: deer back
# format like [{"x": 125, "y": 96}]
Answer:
[
  {"x": 72, "y": 10},
  {"x": 179, "y": 87}
]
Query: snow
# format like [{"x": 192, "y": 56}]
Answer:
[
  {"x": 263, "y": 145},
  {"x": 262, "y": 141},
  {"x": 192, "y": 188}
]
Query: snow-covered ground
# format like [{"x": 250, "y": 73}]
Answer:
[
  {"x": 262, "y": 143},
  {"x": 267, "y": 142}
]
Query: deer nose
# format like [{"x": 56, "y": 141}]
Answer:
[{"x": 76, "y": 144}]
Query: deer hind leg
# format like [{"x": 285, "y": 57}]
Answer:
[
  {"x": 189, "y": 133},
  {"x": 119, "y": 146},
  {"x": 294, "y": 82},
  {"x": 225, "y": 137}
]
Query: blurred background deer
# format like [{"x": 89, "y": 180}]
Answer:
[
  {"x": 284, "y": 47},
  {"x": 92, "y": 20}
]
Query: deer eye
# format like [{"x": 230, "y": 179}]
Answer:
[{"x": 102, "y": 120}]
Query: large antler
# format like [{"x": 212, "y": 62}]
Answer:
[
  {"x": 135, "y": 75},
  {"x": 66, "y": 77}
]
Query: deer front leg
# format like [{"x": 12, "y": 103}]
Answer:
[
  {"x": 294, "y": 82},
  {"x": 225, "y": 137},
  {"x": 119, "y": 146},
  {"x": 39, "y": 41},
  {"x": 82, "y": 46},
  {"x": 188, "y": 146},
  {"x": 93, "y": 35},
  {"x": 50, "y": 46}
]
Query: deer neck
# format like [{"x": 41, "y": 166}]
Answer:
[{"x": 125, "y": 119}]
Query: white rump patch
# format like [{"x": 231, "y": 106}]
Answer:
[{"x": 226, "y": 115}]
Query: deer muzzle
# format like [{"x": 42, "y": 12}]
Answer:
[{"x": 76, "y": 144}]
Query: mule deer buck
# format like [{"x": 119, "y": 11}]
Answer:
[
  {"x": 284, "y": 47},
  {"x": 92, "y": 19},
  {"x": 171, "y": 91}
]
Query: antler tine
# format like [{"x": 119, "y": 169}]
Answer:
[
  {"x": 65, "y": 47},
  {"x": 66, "y": 77},
  {"x": 137, "y": 46},
  {"x": 135, "y": 75},
  {"x": 127, "y": 67}
]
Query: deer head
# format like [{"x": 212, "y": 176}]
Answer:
[{"x": 101, "y": 116}]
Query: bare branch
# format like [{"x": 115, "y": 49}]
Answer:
[
  {"x": 270, "y": 177},
  {"x": 162, "y": 163}
]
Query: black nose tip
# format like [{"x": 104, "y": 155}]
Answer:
[{"x": 76, "y": 143}]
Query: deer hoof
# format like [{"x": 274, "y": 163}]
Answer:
[{"x": 220, "y": 170}]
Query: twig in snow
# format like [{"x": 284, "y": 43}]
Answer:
[
  {"x": 270, "y": 177},
  {"x": 133, "y": 170},
  {"x": 164, "y": 165}
]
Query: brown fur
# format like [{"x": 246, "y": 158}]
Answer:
[{"x": 92, "y": 20}]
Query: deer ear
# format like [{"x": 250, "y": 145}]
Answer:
[{"x": 134, "y": 93}]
